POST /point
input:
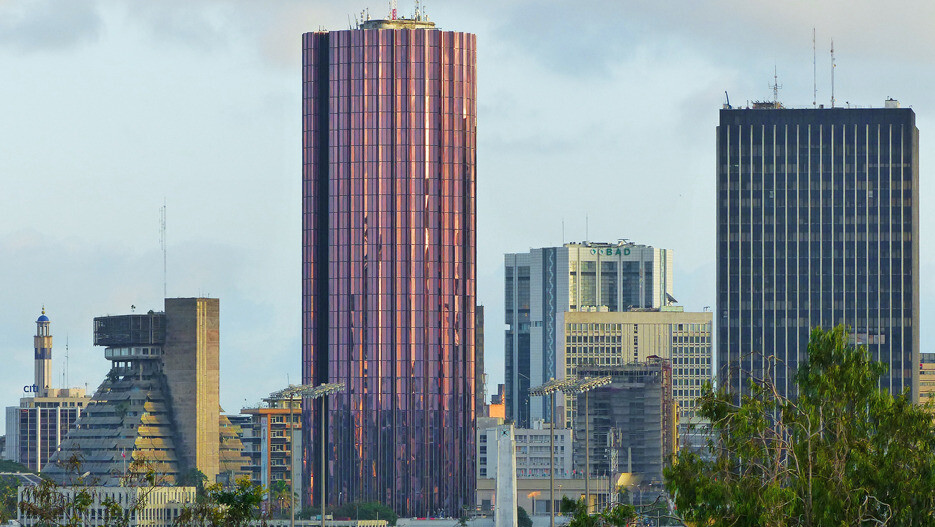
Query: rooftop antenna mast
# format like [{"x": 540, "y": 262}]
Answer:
[
  {"x": 832, "y": 73},
  {"x": 66, "y": 362},
  {"x": 776, "y": 87},
  {"x": 814, "y": 73},
  {"x": 162, "y": 244},
  {"x": 392, "y": 9}
]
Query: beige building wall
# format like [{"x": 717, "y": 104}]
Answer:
[
  {"x": 615, "y": 338},
  {"x": 191, "y": 366},
  {"x": 926, "y": 377}
]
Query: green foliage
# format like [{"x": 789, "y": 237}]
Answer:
[
  {"x": 193, "y": 478},
  {"x": 219, "y": 507},
  {"x": 50, "y": 505},
  {"x": 279, "y": 495},
  {"x": 12, "y": 466},
  {"x": 522, "y": 518},
  {"x": 365, "y": 511},
  {"x": 8, "y": 485},
  {"x": 842, "y": 453},
  {"x": 618, "y": 515}
]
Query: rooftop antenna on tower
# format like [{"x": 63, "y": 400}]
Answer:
[
  {"x": 392, "y": 9},
  {"x": 66, "y": 362},
  {"x": 162, "y": 243},
  {"x": 776, "y": 87},
  {"x": 814, "y": 73},
  {"x": 832, "y": 73}
]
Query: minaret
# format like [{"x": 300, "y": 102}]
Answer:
[{"x": 43, "y": 346}]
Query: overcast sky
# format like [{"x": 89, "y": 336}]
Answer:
[{"x": 597, "y": 109}]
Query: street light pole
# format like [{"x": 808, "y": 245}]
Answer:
[
  {"x": 550, "y": 388},
  {"x": 577, "y": 387},
  {"x": 311, "y": 392},
  {"x": 322, "y": 434},
  {"x": 587, "y": 456},
  {"x": 291, "y": 430},
  {"x": 552, "y": 465}
]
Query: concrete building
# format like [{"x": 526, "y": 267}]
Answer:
[
  {"x": 480, "y": 374},
  {"x": 817, "y": 225},
  {"x": 232, "y": 463},
  {"x": 926, "y": 377},
  {"x": 159, "y": 401},
  {"x": 36, "y": 427},
  {"x": 632, "y": 422},
  {"x": 532, "y": 452},
  {"x": 389, "y": 264},
  {"x": 615, "y": 339},
  {"x": 158, "y": 506},
  {"x": 191, "y": 365},
  {"x": 543, "y": 284},
  {"x": 268, "y": 437}
]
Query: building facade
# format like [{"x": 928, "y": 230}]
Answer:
[
  {"x": 817, "y": 225},
  {"x": 532, "y": 452},
  {"x": 141, "y": 410},
  {"x": 631, "y": 422},
  {"x": 615, "y": 339},
  {"x": 926, "y": 377},
  {"x": 36, "y": 427},
  {"x": 389, "y": 156},
  {"x": 268, "y": 435},
  {"x": 480, "y": 374},
  {"x": 155, "y": 506},
  {"x": 543, "y": 284}
]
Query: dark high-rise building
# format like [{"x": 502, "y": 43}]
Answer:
[
  {"x": 389, "y": 127},
  {"x": 817, "y": 225}
]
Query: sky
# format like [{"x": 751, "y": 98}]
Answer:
[{"x": 597, "y": 112}]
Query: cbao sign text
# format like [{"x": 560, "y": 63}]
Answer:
[{"x": 611, "y": 251}]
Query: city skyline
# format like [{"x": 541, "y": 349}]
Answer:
[{"x": 116, "y": 110}]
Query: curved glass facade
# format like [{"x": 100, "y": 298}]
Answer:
[{"x": 389, "y": 149}]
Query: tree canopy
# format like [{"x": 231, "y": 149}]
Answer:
[{"x": 843, "y": 452}]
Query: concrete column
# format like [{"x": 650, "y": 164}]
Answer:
[{"x": 505, "y": 498}]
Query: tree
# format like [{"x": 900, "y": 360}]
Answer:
[
  {"x": 372, "y": 510},
  {"x": 280, "y": 494},
  {"x": 522, "y": 518},
  {"x": 8, "y": 485},
  {"x": 618, "y": 515},
  {"x": 219, "y": 507},
  {"x": 843, "y": 453},
  {"x": 192, "y": 478},
  {"x": 51, "y": 505}
]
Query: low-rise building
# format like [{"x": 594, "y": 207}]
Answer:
[
  {"x": 158, "y": 506},
  {"x": 606, "y": 339},
  {"x": 631, "y": 422},
  {"x": 532, "y": 452},
  {"x": 926, "y": 377},
  {"x": 267, "y": 437}
]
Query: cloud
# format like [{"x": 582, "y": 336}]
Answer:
[{"x": 48, "y": 24}]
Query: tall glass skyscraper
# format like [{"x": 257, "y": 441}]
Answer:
[
  {"x": 389, "y": 156},
  {"x": 817, "y": 225}
]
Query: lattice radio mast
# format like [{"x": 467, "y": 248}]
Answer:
[
  {"x": 814, "y": 74},
  {"x": 832, "y": 73},
  {"x": 776, "y": 87}
]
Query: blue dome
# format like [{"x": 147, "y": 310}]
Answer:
[{"x": 42, "y": 318}]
